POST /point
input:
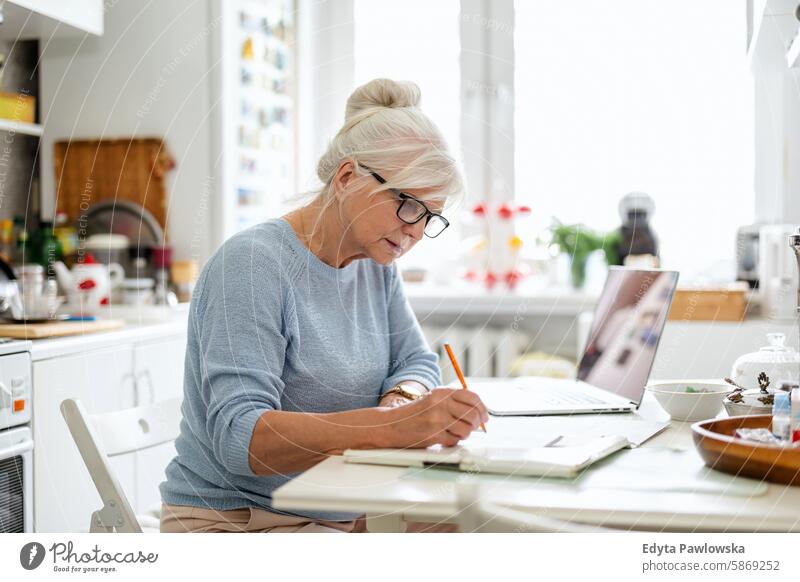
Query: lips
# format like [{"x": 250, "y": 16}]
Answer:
[{"x": 394, "y": 248}]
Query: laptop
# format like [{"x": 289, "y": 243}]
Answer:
[{"x": 615, "y": 366}]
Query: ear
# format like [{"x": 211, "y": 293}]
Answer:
[{"x": 344, "y": 175}]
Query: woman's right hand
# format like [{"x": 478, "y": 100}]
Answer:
[{"x": 445, "y": 416}]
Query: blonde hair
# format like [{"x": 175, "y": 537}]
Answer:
[{"x": 386, "y": 131}]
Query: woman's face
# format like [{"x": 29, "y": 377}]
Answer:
[{"x": 373, "y": 224}]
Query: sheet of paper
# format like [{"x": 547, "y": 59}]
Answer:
[
  {"x": 504, "y": 439},
  {"x": 478, "y": 443},
  {"x": 534, "y": 431}
]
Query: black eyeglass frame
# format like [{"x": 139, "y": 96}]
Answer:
[{"x": 405, "y": 197}]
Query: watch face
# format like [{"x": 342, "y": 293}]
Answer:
[{"x": 412, "y": 390}]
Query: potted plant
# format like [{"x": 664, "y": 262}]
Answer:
[{"x": 578, "y": 241}]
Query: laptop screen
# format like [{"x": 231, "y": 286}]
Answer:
[{"x": 627, "y": 327}]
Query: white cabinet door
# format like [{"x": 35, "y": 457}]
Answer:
[
  {"x": 64, "y": 494},
  {"x": 158, "y": 370},
  {"x": 46, "y": 19}
]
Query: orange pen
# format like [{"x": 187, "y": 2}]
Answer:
[{"x": 457, "y": 368}]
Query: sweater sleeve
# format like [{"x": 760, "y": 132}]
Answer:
[
  {"x": 411, "y": 359},
  {"x": 241, "y": 337}
]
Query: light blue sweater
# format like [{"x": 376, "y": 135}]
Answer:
[{"x": 272, "y": 327}]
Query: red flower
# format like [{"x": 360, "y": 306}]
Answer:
[
  {"x": 504, "y": 211},
  {"x": 479, "y": 209},
  {"x": 87, "y": 284}
]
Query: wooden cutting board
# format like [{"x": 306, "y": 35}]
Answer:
[
  {"x": 94, "y": 170},
  {"x": 722, "y": 304},
  {"x": 58, "y": 328}
]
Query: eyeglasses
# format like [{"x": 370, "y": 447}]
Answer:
[{"x": 411, "y": 210}]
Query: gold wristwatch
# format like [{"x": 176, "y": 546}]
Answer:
[{"x": 406, "y": 391}]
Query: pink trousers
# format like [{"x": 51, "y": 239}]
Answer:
[{"x": 185, "y": 519}]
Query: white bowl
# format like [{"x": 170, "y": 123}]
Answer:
[{"x": 690, "y": 400}]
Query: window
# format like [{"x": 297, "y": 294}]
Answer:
[
  {"x": 392, "y": 40},
  {"x": 608, "y": 98},
  {"x": 638, "y": 95}
]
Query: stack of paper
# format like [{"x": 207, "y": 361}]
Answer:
[{"x": 476, "y": 456}]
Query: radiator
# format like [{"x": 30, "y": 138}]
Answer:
[{"x": 481, "y": 351}]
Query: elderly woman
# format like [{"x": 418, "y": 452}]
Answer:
[{"x": 301, "y": 342}]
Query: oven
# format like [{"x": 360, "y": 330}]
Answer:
[
  {"x": 16, "y": 439},
  {"x": 16, "y": 480}
]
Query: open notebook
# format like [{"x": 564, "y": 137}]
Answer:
[{"x": 540, "y": 461}]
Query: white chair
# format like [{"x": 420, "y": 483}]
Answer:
[
  {"x": 101, "y": 436},
  {"x": 476, "y": 515}
]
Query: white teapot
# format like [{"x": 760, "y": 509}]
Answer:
[{"x": 89, "y": 284}]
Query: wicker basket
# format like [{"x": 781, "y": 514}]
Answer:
[{"x": 91, "y": 171}]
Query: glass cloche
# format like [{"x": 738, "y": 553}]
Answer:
[{"x": 769, "y": 368}]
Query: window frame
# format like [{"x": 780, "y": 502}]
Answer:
[{"x": 487, "y": 92}]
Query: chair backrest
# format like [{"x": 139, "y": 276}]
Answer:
[
  {"x": 100, "y": 436},
  {"x": 476, "y": 515}
]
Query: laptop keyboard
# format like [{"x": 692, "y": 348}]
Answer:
[{"x": 569, "y": 397}]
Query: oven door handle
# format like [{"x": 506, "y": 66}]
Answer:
[
  {"x": 6, "y": 396},
  {"x": 16, "y": 449}
]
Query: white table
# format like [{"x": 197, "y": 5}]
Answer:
[{"x": 389, "y": 496}]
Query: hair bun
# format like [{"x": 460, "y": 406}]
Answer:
[{"x": 382, "y": 93}]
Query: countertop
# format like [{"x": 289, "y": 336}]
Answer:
[{"x": 42, "y": 349}]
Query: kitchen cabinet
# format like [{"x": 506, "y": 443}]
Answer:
[
  {"x": 25, "y": 26},
  {"x": 47, "y": 19},
  {"x": 104, "y": 379},
  {"x": 158, "y": 371},
  {"x": 63, "y": 492}
]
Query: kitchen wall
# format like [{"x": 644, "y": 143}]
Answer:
[
  {"x": 148, "y": 75},
  {"x": 777, "y": 146},
  {"x": 325, "y": 79},
  {"x": 792, "y": 152}
]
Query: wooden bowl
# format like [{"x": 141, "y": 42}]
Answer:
[{"x": 722, "y": 451}]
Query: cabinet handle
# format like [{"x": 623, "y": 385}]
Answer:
[
  {"x": 129, "y": 378},
  {"x": 146, "y": 374}
]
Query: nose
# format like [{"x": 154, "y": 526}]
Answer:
[{"x": 415, "y": 231}]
